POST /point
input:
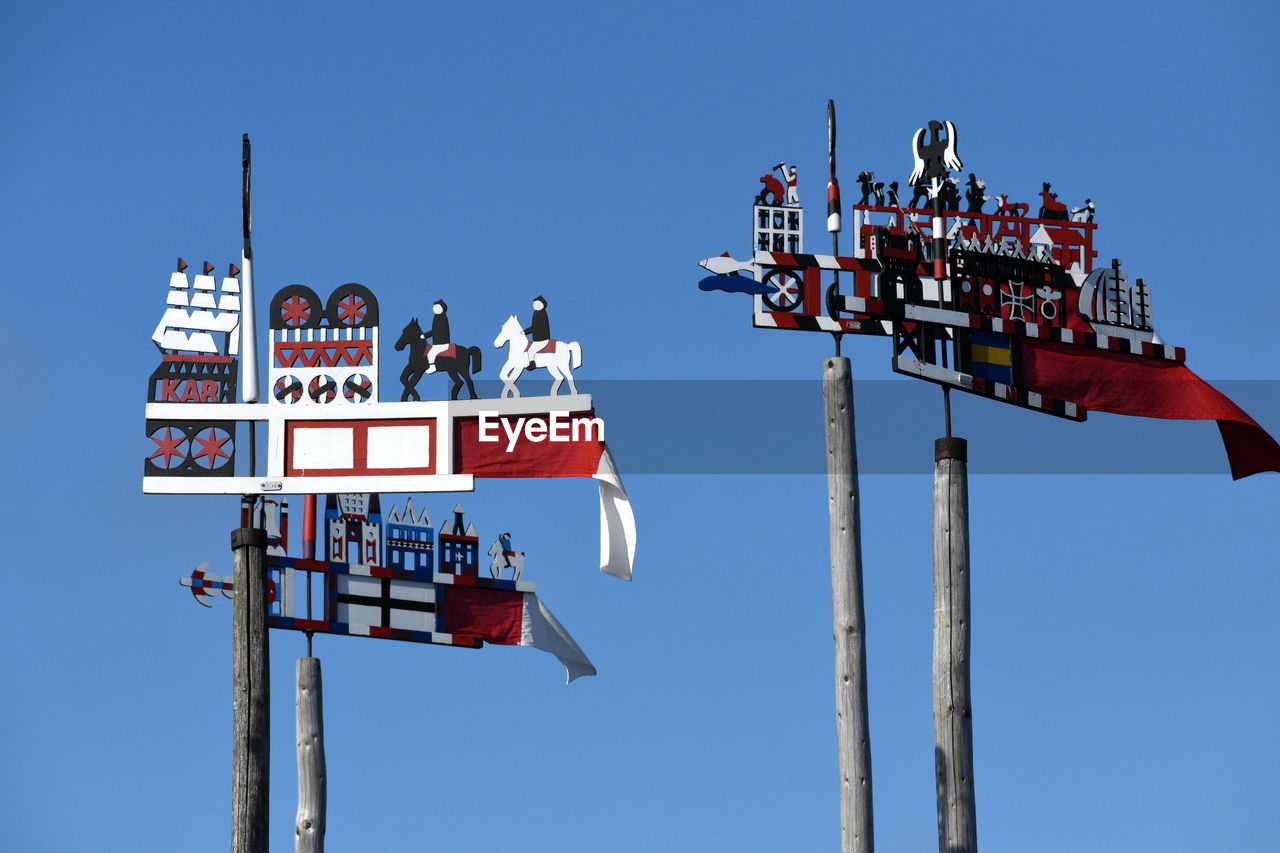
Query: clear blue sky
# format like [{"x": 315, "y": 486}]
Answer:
[{"x": 1124, "y": 658}]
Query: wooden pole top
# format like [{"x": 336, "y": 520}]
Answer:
[
  {"x": 950, "y": 448},
  {"x": 244, "y": 536}
]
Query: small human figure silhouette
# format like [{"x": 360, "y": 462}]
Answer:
[
  {"x": 974, "y": 193},
  {"x": 439, "y": 334},
  {"x": 789, "y": 178},
  {"x": 866, "y": 180},
  {"x": 539, "y": 329},
  {"x": 1083, "y": 214}
]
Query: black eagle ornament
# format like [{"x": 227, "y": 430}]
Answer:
[{"x": 935, "y": 157}]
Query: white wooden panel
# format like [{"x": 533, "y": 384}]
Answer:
[
  {"x": 935, "y": 372},
  {"x": 275, "y": 446},
  {"x": 398, "y": 446},
  {"x": 410, "y": 591},
  {"x": 359, "y": 614},
  {"x": 322, "y": 447},
  {"x": 413, "y": 620},
  {"x": 307, "y": 485}
]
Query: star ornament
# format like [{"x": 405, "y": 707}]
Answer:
[
  {"x": 172, "y": 444},
  {"x": 210, "y": 443}
]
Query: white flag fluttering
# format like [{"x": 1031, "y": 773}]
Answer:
[
  {"x": 617, "y": 522},
  {"x": 542, "y": 630}
]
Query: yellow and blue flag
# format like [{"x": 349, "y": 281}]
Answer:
[{"x": 991, "y": 356}]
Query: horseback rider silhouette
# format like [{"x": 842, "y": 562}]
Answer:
[
  {"x": 439, "y": 334},
  {"x": 504, "y": 539},
  {"x": 539, "y": 329}
]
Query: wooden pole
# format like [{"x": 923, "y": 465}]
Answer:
[
  {"x": 312, "y": 781},
  {"x": 952, "y": 711},
  {"x": 847, "y": 615},
  {"x": 251, "y": 731}
]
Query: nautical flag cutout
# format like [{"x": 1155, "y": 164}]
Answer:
[
  {"x": 404, "y": 600},
  {"x": 991, "y": 356},
  {"x": 373, "y": 606},
  {"x": 451, "y": 610}
]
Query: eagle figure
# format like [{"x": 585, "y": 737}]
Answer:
[{"x": 935, "y": 157}]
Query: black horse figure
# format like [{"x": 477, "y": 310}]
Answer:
[{"x": 460, "y": 365}]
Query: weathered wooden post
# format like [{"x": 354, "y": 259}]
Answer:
[
  {"x": 952, "y": 711},
  {"x": 847, "y": 614},
  {"x": 251, "y": 731},
  {"x": 312, "y": 781}
]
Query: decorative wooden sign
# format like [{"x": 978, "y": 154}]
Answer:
[
  {"x": 326, "y": 430},
  {"x": 199, "y": 339},
  {"x": 389, "y": 583},
  {"x": 1002, "y": 305},
  {"x": 323, "y": 353}
]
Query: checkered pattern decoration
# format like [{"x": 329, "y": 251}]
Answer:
[{"x": 394, "y": 604}]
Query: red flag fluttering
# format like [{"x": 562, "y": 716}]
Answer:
[{"x": 1127, "y": 384}]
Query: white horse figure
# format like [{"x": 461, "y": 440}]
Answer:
[
  {"x": 500, "y": 561},
  {"x": 558, "y": 362}
]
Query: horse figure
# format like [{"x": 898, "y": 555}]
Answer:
[
  {"x": 458, "y": 361},
  {"x": 501, "y": 559},
  {"x": 558, "y": 357}
]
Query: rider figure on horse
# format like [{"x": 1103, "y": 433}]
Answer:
[
  {"x": 539, "y": 329},
  {"x": 439, "y": 334},
  {"x": 504, "y": 539}
]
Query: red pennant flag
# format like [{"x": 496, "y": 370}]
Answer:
[
  {"x": 208, "y": 267},
  {"x": 1126, "y": 384},
  {"x": 510, "y": 618},
  {"x": 182, "y": 265},
  {"x": 233, "y": 270}
]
